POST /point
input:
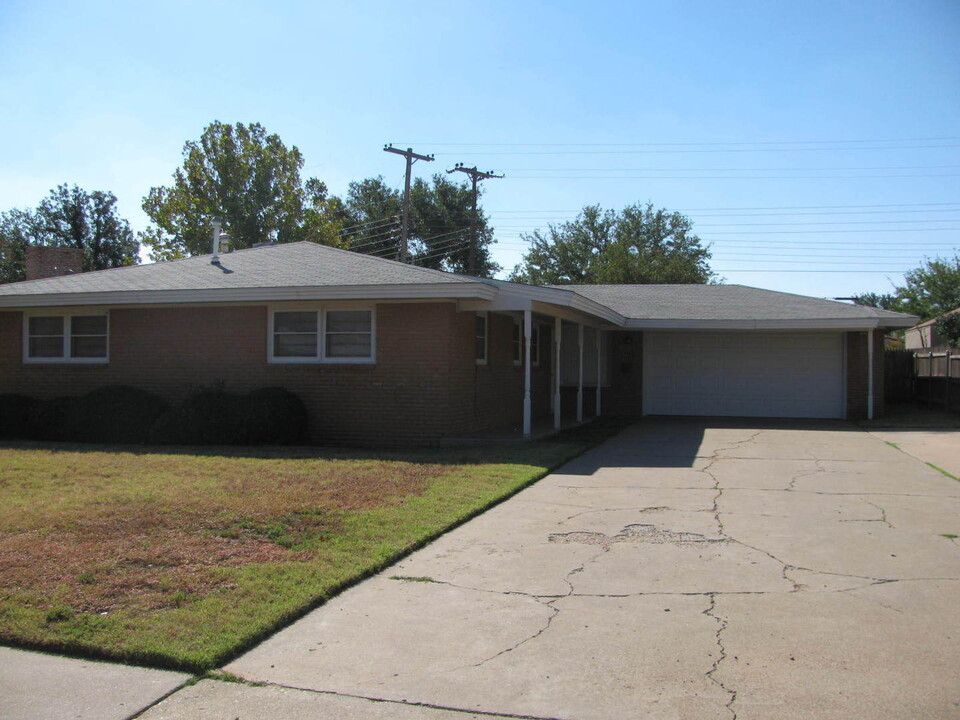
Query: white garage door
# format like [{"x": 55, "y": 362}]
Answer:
[{"x": 743, "y": 374}]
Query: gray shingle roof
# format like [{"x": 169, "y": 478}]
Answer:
[
  {"x": 302, "y": 264},
  {"x": 719, "y": 302}
]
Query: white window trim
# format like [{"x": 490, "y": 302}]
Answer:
[
  {"x": 486, "y": 338},
  {"x": 67, "y": 315},
  {"x": 321, "y": 309}
]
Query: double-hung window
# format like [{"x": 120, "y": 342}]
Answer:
[
  {"x": 67, "y": 337},
  {"x": 322, "y": 336}
]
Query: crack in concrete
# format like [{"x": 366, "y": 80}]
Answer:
[
  {"x": 638, "y": 508},
  {"x": 414, "y": 703},
  {"x": 721, "y": 656}
]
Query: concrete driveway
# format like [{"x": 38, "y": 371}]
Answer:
[{"x": 682, "y": 570}]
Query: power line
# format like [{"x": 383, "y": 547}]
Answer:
[
  {"x": 476, "y": 176},
  {"x": 727, "y": 177},
  {"x": 696, "y": 144},
  {"x": 374, "y": 223},
  {"x": 411, "y": 157},
  {"x": 724, "y": 150},
  {"x": 755, "y": 169}
]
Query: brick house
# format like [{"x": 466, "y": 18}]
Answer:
[{"x": 382, "y": 351}]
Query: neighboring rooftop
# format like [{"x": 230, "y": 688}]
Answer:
[{"x": 722, "y": 302}]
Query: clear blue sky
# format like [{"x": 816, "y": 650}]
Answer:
[{"x": 843, "y": 118}]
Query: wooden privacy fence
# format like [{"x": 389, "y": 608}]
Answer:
[
  {"x": 898, "y": 385},
  {"x": 937, "y": 378}
]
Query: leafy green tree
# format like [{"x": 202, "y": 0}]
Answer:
[
  {"x": 250, "y": 181},
  {"x": 68, "y": 217},
  {"x": 883, "y": 301},
  {"x": 73, "y": 217},
  {"x": 637, "y": 245},
  {"x": 931, "y": 289},
  {"x": 15, "y": 232},
  {"x": 948, "y": 327},
  {"x": 439, "y": 223}
]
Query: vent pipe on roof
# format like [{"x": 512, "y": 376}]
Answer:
[{"x": 215, "y": 255}]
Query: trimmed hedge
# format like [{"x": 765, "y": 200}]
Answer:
[
  {"x": 212, "y": 416},
  {"x": 17, "y": 414},
  {"x": 111, "y": 414}
]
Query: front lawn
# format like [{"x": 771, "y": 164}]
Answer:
[{"x": 184, "y": 558}]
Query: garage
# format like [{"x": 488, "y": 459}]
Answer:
[{"x": 745, "y": 374}]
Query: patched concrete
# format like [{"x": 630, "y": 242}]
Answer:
[
  {"x": 683, "y": 569},
  {"x": 37, "y": 685}
]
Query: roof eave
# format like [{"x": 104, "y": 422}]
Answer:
[
  {"x": 865, "y": 323},
  {"x": 456, "y": 290}
]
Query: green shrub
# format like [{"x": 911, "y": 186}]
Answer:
[
  {"x": 275, "y": 416},
  {"x": 16, "y": 416},
  {"x": 212, "y": 416},
  {"x": 112, "y": 414},
  {"x": 54, "y": 418}
]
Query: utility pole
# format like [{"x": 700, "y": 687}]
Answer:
[
  {"x": 411, "y": 157},
  {"x": 475, "y": 177}
]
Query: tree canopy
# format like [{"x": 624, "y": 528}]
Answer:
[
  {"x": 247, "y": 179},
  {"x": 440, "y": 213},
  {"x": 636, "y": 245},
  {"x": 68, "y": 217},
  {"x": 928, "y": 291}
]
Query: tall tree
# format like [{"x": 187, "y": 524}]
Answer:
[
  {"x": 637, "y": 245},
  {"x": 68, "y": 217},
  {"x": 15, "y": 232},
  {"x": 439, "y": 223},
  {"x": 250, "y": 181},
  {"x": 73, "y": 217}
]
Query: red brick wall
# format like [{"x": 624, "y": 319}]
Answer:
[
  {"x": 857, "y": 382},
  {"x": 46, "y": 261},
  {"x": 424, "y": 385}
]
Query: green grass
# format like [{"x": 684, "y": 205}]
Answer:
[
  {"x": 944, "y": 472},
  {"x": 183, "y": 558}
]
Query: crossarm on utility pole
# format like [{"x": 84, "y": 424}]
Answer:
[{"x": 411, "y": 158}]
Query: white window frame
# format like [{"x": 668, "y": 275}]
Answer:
[
  {"x": 486, "y": 338},
  {"x": 321, "y": 309},
  {"x": 66, "y": 358}
]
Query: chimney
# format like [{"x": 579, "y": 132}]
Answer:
[{"x": 44, "y": 261}]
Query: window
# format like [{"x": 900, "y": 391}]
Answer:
[
  {"x": 322, "y": 336},
  {"x": 349, "y": 334},
  {"x": 480, "y": 333},
  {"x": 295, "y": 334},
  {"x": 66, "y": 338},
  {"x": 517, "y": 343},
  {"x": 534, "y": 344}
]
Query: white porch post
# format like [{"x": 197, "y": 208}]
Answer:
[
  {"x": 527, "y": 331},
  {"x": 556, "y": 373},
  {"x": 580, "y": 370},
  {"x": 597, "y": 336},
  {"x": 869, "y": 374}
]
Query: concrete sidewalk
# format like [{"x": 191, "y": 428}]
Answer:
[{"x": 38, "y": 686}]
